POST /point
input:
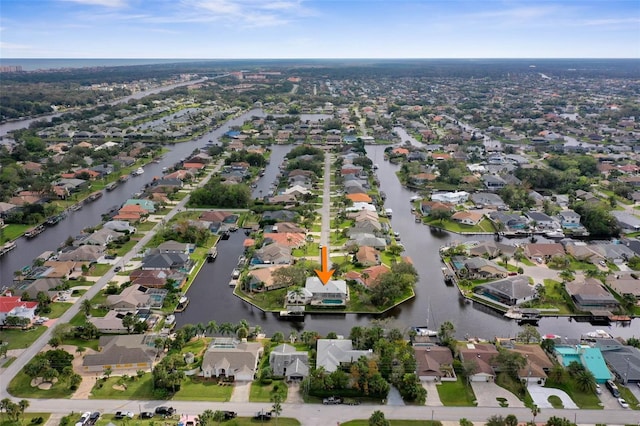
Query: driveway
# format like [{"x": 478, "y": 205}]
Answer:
[
  {"x": 240, "y": 392},
  {"x": 433, "y": 398},
  {"x": 394, "y": 398},
  {"x": 540, "y": 396},
  {"x": 607, "y": 399},
  {"x": 294, "y": 396},
  {"x": 488, "y": 392}
]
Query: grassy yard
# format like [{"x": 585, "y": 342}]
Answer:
[
  {"x": 584, "y": 400},
  {"x": 263, "y": 393},
  {"x": 21, "y": 387},
  {"x": 515, "y": 387},
  {"x": 197, "y": 389},
  {"x": 136, "y": 389},
  {"x": 13, "y": 231},
  {"x": 20, "y": 339},
  {"x": 7, "y": 362},
  {"x": 629, "y": 397},
  {"x": 483, "y": 226},
  {"x": 58, "y": 308},
  {"x": 145, "y": 226},
  {"x": 553, "y": 297},
  {"x": 269, "y": 300},
  {"x": 99, "y": 269},
  {"x": 456, "y": 394},
  {"x": 25, "y": 419}
]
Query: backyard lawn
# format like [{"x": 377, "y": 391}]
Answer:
[
  {"x": 13, "y": 231},
  {"x": 263, "y": 393},
  {"x": 584, "y": 400},
  {"x": 456, "y": 394}
]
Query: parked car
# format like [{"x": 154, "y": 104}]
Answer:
[
  {"x": 94, "y": 416},
  {"x": 598, "y": 389},
  {"x": 146, "y": 415},
  {"x": 332, "y": 400},
  {"x": 262, "y": 415},
  {"x": 117, "y": 269},
  {"x": 235, "y": 274},
  {"x": 122, "y": 414},
  {"x": 85, "y": 417},
  {"x": 623, "y": 403},
  {"x": 165, "y": 411}
]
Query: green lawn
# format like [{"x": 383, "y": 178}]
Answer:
[
  {"x": 99, "y": 269},
  {"x": 584, "y": 400},
  {"x": 20, "y": 339},
  {"x": 145, "y": 226},
  {"x": 555, "y": 401},
  {"x": 483, "y": 226},
  {"x": 515, "y": 387},
  {"x": 197, "y": 389},
  {"x": 26, "y": 419},
  {"x": 629, "y": 397},
  {"x": 7, "y": 362},
  {"x": 239, "y": 421},
  {"x": 456, "y": 394},
  {"x": 269, "y": 300},
  {"x": 263, "y": 393},
  {"x": 20, "y": 387},
  {"x": 13, "y": 231},
  {"x": 58, "y": 308},
  {"x": 136, "y": 389}
]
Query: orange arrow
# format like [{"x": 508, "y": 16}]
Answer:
[{"x": 324, "y": 274}]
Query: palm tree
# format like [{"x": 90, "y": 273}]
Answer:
[
  {"x": 86, "y": 307},
  {"x": 277, "y": 405},
  {"x": 534, "y": 411},
  {"x": 211, "y": 327},
  {"x": 243, "y": 323},
  {"x": 586, "y": 381},
  {"x": 226, "y": 328},
  {"x": 200, "y": 328},
  {"x": 22, "y": 406}
]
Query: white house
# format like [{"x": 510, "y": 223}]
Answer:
[
  {"x": 331, "y": 353},
  {"x": 333, "y": 293},
  {"x": 229, "y": 358},
  {"x": 569, "y": 219},
  {"x": 457, "y": 197},
  {"x": 12, "y": 306}
]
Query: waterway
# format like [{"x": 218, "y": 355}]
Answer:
[{"x": 212, "y": 298}]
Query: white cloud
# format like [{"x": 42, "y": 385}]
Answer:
[{"x": 611, "y": 21}]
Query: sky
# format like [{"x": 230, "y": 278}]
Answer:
[{"x": 237, "y": 29}]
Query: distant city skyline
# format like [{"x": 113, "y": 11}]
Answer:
[{"x": 247, "y": 29}]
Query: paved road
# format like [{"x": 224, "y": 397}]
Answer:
[{"x": 325, "y": 211}]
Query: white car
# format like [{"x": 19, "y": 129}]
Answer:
[{"x": 623, "y": 403}]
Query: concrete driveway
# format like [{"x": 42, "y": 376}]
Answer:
[
  {"x": 433, "y": 398},
  {"x": 488, "y": 392},
  {"x": 294, "y": 396},
  {"x": 241, "y": 392},
  {"x": 607, "y": 399},
  {"x": 540, "y": 396}
]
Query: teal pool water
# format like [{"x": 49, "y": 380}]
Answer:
[{"x": 332, "y": 302}]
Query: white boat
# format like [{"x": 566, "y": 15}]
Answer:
[
  {"x": 415, "y": 198},
  {"x": 555, "y": 234},
  {"x": 598, "y": 334},
  {"x": 422, "y": 331}
]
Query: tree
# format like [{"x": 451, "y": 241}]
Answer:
[
  {"x": 377, "y": 419},
  {"x": 446, "y": 333},
  {"x": 557, "y": 373},
  {"x": 55, "y": 341},
  {"x": 226, "y": 328},
  {"x": 586, "y": 381},
  {"x": 535, "y": 410},
  {"x": 559, "y": 421},
  {"x": 277, "y": 337},
  {"x": 465, "y": 422},
  {"x": 23, "y": 404},
  {"x": 212, "y": 327},
  {"x": 207, "y": 417},
  {"x": 528, "y": 334},
  {"x": 128, "y": 322},
  {"x": 276, "y": 408},
  {"x": 495, "y": 420},
  {"x": 86, "y": 307},
  {"x": 509, "y": 362},
  {"x": 511, "y": 420},
  {"x": 107, "y": 372}
]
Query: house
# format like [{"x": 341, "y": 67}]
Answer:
[
  {"x": 120, "y": 226},
  {"x": 333, "y": 293},
  {"x": 628, "y": 223},
  {"x": 272, "y": 254},
  {"x": 538, "y": 363},
  {"x": 227, "y": 358},
  {"x": 359, "y": 198},
  {"x": 434, "y": 363},
  {"x": 457, "y": 197},
  {"x": 543, "y": 251},
  {"x": 492, "y": 249},
  {"x": 569, "y": 219},
  {"x": 161, "y": 261},
  {"x": 482, "y": 356},
  {"x": 172, "y": 246},
  {"x": 125, "y": 353},
  {"x": 367, "y": 256},
  {"x": 493, "y": 182},
  {"x": 30, "y": 288},
  {"x": 288, "y": 362},
  {"x": 369, "y": 276},
  {"x": 101, "y": 237},
  {"x": 278, "y": 216},
  {"x": 262, "y": 278},
  {"x": 508, "y": 221},
  {"x": 335, "y": 353},
  {"x": 467, "y": 217},
  {"x": 480, "y": 268},
  {"x": 366, "y": 240},
  {"x": 299, "y": 297},
  {"x": 12, "y": 306},
  {"x": 613, "y": 252},
  {"x": 623, "y": 361},
  {"x": 426, "y": 207},
  {"x": 365, "y": 227},
  {"x": 541, "y": 220},
  {"x": 286, "y": 239},
  {"x": 511, "y": 291},
  {"x": 85, "y": 253},
  {"x": 111, "y": 323},
  {"x": 624, "y": 283},
  {"x": 589, "y": 357},
  {"x": 136, "y": 297},
  {"x": 487, "y": 200},
  {"x": 590, "y": 295},
  {"x": 157, "y": 278}
]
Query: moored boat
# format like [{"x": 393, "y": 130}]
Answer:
[
  {"x": 111, "y": 186},
  {"x": 7, "y": 247},
  {"x": 31, "y": 233}
]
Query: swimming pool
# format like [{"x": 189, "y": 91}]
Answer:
[{"x": 332, "y": 302}]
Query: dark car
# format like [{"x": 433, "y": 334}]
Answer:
[
  {"x": 165, "y": 411},
  {"x": 146, "y": 415},
  {"x": 263, "y": 415},
  {"x": 228, "y": 415},
  {"x": 94, "y": 416}
]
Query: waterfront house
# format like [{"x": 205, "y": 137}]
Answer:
[
  {"x": 456, "y": 197},
  {"x": 122, "y": 353},
  {"x": 467, "y": 217},
  {"x": 623, "y": 360},
  {"x": 84, "y": 253},
  {"x": 157, "y": 278},
  {"x": 569, "y": 219},
  {"x": 589, "y": 357},
  {"x": 228, "y": 358},
  {"x": 543, "y": 251},
  {"x": 30, "y": 288},
  {"x": 492, "y": 249},
  {"x": 172, "y": 246},
  {"x": 482, "y": 356},
  {"x": 333, "y": 293},
  {"x": 365, "y": 239},
  {"x": 166, "y": 261},
  {"x": 538, "y": 363},
  {"x": 272, "y": 254},
  {"x": 288, "y": 362},
  {"x": 487, "y": 200},
  {"x": 101, "y": 237},
  {"x": 136, "y": 297},
  {"x": 590, "y": 295},
  {"x": 508, "y": 221},
  {"x": 481, "y": 268},
  {"x": 541, "y": 220},
  {"x": 625, "y": 282},
  {"x": 367, "y": 256},
  {"x": 434, "y": 363},
  {"x": 511, "y": 291},
  {"x": 262, "y": 278},
  {"x": 120, "y": 226},
  {"x": 337, "y": 353},
  {"x": 369, "y": 276}
]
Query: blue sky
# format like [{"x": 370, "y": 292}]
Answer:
[{"x": 221, "y": 29}]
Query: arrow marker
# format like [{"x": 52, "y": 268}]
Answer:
[{"x": 324, "y": 273}]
